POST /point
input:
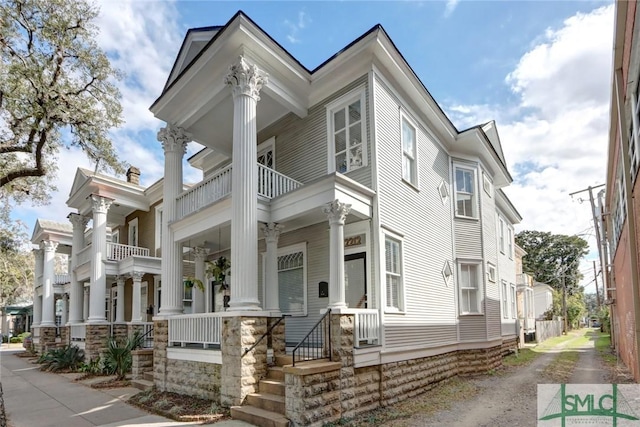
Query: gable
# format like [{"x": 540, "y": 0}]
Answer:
[
  {"x": 195, "y": 40},
  {"x": 491, "y": 131},
  {"x": 79, "y": 180}
]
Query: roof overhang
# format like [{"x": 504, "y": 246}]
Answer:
[
  {"x": 42, "y": 232},
  {"x": 506, "y": 207}
]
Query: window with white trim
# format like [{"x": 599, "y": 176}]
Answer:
[
  {"x": 501, "y": 234},
  {"x": 634, "y": 136},
  {"x": 486, "y": 184},
  {"x": 187, "y": 298},
  {"x": 505, "y": 299},
  {"x": 347, "y": 133},
  {"x": 292, "y": 280},
  {"x": 465, "y": 192},
  {"x": 491, "y": 272},
  {"x": 409, "y": 164},
  {"x": 133, "y": 232},
  {"x": 510, "y": 242},
  {"x": 393, "y": 273},
  {"x": 514, "y": 310},
  {"x": 115, "y": 236},
  {"x": 469, "y": 282}
]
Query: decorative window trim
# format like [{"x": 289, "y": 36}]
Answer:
[
  {"x": 401, "y": 292},
  {"x": 288, "y": 250},
  {"x": 474, "y": 194},
  {"x": 478, "y": 289},
  {"x": 486, "y": 184},
  {"x": 130, "y": 239},
  {"x": 491, "y": 272},
  {"x": 504, "y": 291},
  {"x": 501, "y": 226},
  {"x": 443, "y": 190},
  {"x": 514, "y": 310},
  {"x": 413, "y": 157},
  {"x": 338, "y": 104}
]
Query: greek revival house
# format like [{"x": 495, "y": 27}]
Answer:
[{"x": 365, "y": 244}]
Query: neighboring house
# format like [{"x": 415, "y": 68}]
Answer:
[
  {"x": 343, "y": 198},
  {"x": 16, "y": 319},
  {"x": 525, "y": 300},
  {"x": 543, "y": 296},
  {"x": 622, "y": 204}
]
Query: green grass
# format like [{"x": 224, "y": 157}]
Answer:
[
  {"x": 523, "y": 357},
  {"x": 603, "y": 347}
]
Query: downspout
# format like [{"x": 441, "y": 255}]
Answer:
[{"x": 631, "y": 218}]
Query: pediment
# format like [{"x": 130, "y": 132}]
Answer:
[
  {"x": 195, "y": 40},
  {"x": 491, "y": 131},
  {"x": 79, "y": 180}
]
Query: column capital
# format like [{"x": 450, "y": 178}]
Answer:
[
  {"x": 49, "y": 245},
  {"x": 271, "y": 232},
  {"x": 336, "y": 211},
  {"x": 120, "y": 279},
  {"x": 173, "y": 139},
  {"x": 37, "y": 252},
  {"x": 78, "y": 221},
  {"x": 199, "y": 253},
  {"x": 100, "y": 204},
  {"x": 136, "y": 275},
  {"x": 245, "y": 79}
]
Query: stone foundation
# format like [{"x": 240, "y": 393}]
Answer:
[
  {"x": 120, "y": 331},
  {"x": 160, "y": 341},
  {"x": 65, "y": 335},
  {"x": 276, "y": 339},
  {"x": 96, "y": 340},
  {"x": 509, "y": 346},
  {"x": 312, "y": 396},
  {"x": 141, "y": 362},
  {"x": 47, "y": 339},
  {"x": 192, "y": 378}
]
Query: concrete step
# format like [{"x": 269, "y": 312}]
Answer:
[
  {"x": 148, "y": 376},
  {"x": 143, "y": 385},
  {"x": 283, "y": 360},
  {"x": 267, "y": 401},
  {"x": 275, "y": 373},
  {"x": 272, "y": 387},
  {"x": 258, "y": 416}
]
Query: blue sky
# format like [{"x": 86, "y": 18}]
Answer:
[{"x": 541, "y": 69}]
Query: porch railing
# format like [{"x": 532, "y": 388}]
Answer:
[
  {"x": 317, "y": 343},
  {"x": 117, "y": 251},
  {"x": 205, "y": 193},
  {"x": 84, "y": 255},
  {"x": 61, "y": 279},
  {"x": 78, "y": 332},
  {"x": 273, "y": 184},
  {"x": 203, "y": 330},
  {"x": 367, "y": 328}
]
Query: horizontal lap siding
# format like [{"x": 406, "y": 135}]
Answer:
[
  {"x": 490, "y": 245},
  {"x": 468, "y": 243},
  {"x": 425, "y": 221},
  {"x": 473, "y": 328},
  {"x": 507, "y": 272},
  {"x": 302, "y": 144}
]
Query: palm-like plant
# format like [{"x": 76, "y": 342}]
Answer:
[
  {"x": 68, "y": 357},
  {"x": 117, "y": 358}
]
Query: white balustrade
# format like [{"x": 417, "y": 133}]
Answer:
[
  {"x": 78, "y": 331},
  {"x": 203, "y": 330},
  {"x": 61, "y": 279},
  {"x": 84, "y": 255},
  {"x": 367, "y": 328},
  {"x": 117, "y": 251},
  {"x": 205, "y": 193},
  {"x": 273, "y": 184}
]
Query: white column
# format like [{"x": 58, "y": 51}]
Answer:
[
  {"x": 120, "y": 299},
  {"x": 76, "y": 295},
  {"x": 100, "y": 206},
  {"x": 136, "y": 314},
  {"x": 174, "y": 142},
  {"x": 38, "y": 254},
  {"x": 85, "y": 304},
  {"x": 48, "y": 277},
  {"x": 336, "y": 212},
  {"x": 65, "y": 310},
  {"x": 272, "y": 289},
  {"x": 246, "y": 80},
  {"x": 197, "y": 294}
]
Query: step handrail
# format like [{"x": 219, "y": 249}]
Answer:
[
  {"x": 325, "y": 333},
  {"x": 247, "y": 350}
]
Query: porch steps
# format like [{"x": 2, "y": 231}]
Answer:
[
  {"x": 266, "y": 408},
  {"x": 142, "y": 384},
  {"x": 258, "y": 416}
]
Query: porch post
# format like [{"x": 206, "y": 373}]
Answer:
[
  {"x": 136, "y": 315},
  {"x": 245, "y": 80},
  {"x": 272, "y": 289},
  {"x": 85, "y": 304},
  {"x": 37, "y": 305},
  {"x": 336, "y": 212},
  {"x": 65, "y": 309},
  {"x": 174, "y": 142},
  {"x": 76, "y": 296},
  {"x": 100, "y": 206},
  {"x": 120, "y": 299},
  {"x": 48, "y": 301},
  {"x": 198, "y": 295}
]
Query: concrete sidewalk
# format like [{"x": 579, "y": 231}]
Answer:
[{"x": 34, "y": 398}]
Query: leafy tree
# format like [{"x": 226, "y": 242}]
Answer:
[
  {"x": 576, "y": 307},
  {"x": 16, "y": 264},
  {"x": 56, "y": 91},
  {"x": 551, "y": 256}
]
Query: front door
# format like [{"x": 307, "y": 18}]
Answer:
[{"x": 355, "y": 280}]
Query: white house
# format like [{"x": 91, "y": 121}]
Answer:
[
  {"x": 543, "y": 295},
  {"x": 352, "y": 211}
]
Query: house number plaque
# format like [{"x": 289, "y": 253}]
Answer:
[{"x": 353, "y": 241}]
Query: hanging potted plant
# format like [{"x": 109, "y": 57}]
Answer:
[{"x": 218, "y": 270}]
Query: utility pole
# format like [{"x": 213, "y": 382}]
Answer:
[
  {"x": 564, "y": 303},
  {"x": 595, "y": 278}
]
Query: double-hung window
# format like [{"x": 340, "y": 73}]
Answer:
[
  {"x": 510, "y": 242},
  {"x": 409, "y": 169},
  {"x": 292, "y": 282},
  {"x": 470, "y": 287},
  {"x": 347, "y": 133},
  {"x": 505, "y": 300},
  {"x": 514, "y": 311},
  {"x": 393, "y": 273},
  {"x": 465, "y": 192},
  {"x": 501, "y": 234}
]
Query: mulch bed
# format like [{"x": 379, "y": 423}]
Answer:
[
  {"x": 179, "y": 407},
  {"x": 112, "y": 383}
]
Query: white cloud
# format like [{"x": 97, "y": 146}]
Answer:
[
  {"x": 296, "y": 26},
  {"x": 450, "y": 7}
]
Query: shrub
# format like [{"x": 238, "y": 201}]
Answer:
[
  {"x": 117, "y": 358},
  {"x": 66, "y": 358},
  {"x": 15, "y": 340},
  {"x": 94, "y": 367}
]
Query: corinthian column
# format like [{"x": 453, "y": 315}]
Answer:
[
  {"x": 136, "y": 313},
  {"x": 272, "y": 289},
  {"x": 48, "y": 302},
  {"x": 245, "y": 80},
  {"x": 100, "y": 206},
  {"x": 174, "y": 142},
  {"x": 38, "y": 254},
  {"x": 336, "y": 212},
  {"x": 76, "y": 295}
]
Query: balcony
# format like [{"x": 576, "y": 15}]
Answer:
[
  {"x": 117, "y": 252},
  {"x": 271, "y": 184}
]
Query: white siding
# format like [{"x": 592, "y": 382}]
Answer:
[
  {"x": 506, "y": 272},
  {"x": 425, "y": 222},
  {"x": 490, "y": 249}
]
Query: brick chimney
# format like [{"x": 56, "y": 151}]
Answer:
[{"x": 133, "y": 175}]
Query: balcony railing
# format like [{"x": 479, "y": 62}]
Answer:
[
  {"x": 367, "y": 328},
  {"x": 84, "y": 255},
  {"x": 202, "y": 330},
  {"x": 61, "y": 279},
  {"x": 270, "y": 184},
  {"x": 117, "y": 252}
]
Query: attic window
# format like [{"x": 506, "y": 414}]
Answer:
[{"x": 443, "y": 189}]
